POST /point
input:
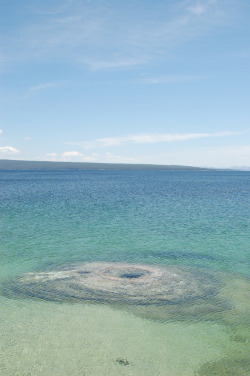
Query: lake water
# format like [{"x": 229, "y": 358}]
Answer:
[{"x": 191, "y": 222}]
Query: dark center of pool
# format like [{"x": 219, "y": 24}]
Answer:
[{"x": 131, "y": 275}]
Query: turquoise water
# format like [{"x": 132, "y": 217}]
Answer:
[{"x": 187, "y": 219}]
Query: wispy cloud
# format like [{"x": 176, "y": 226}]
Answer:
[
  {"x": 112, "y": 64},
  {"x": 71, "y": 156},
  {"x": 75, "y": 156},
  {"x": 8, "y": 150},
  {"x": 104, "y": 35},
  {"x": 51, "y": 155},
  {"x": 1, "y": 131},
  {"x": 148, "y": 139}
]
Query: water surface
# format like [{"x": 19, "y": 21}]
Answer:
[{"x": 187, "y": 219}]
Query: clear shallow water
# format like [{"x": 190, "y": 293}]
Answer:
[{"x": 162, "y": 218}]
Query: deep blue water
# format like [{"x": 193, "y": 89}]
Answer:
[{"x": 189, "y": 217}]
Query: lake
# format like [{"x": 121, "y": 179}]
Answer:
[{"x": 119, "y": 272}]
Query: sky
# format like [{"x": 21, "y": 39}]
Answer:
[{"x": 135, "y": 81}]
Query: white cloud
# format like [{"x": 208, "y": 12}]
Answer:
[
  {"x": 149, "y": 139},
  {"x": 1, "y": 131},
  {"x": 27, "y": 138},
  {"x": 8, "y": 150},
  {"x": 75, "y": 156},
  {"x": 112, "y": 64},
  {"x": 70, "y": 154}
]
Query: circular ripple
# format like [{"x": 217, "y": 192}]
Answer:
[{"x": 115, "y": 283}]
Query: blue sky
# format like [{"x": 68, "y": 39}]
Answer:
[{"x": 135, "y": 81}]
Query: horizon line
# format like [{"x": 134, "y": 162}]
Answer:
[{"x": 8, "y": 162}]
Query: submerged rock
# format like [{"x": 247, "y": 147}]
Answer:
[
  {"x": 122, "y": 362},
  {"x": 115, "y": 283}
]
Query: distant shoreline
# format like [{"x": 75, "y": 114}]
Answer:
[
  {"x": 10, "y": 164},
  {"x": 6, "y": 164}
]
